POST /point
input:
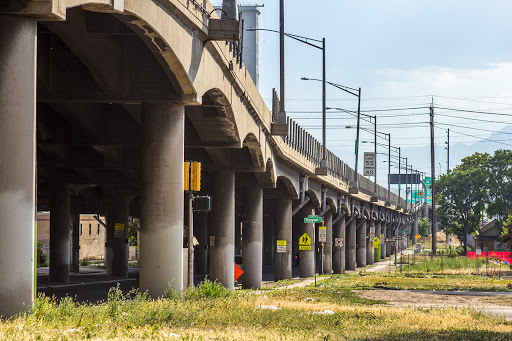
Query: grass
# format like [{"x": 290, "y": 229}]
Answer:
[
  {"x": 419, "y": 281},
  {"x": 211, "y": 312}
]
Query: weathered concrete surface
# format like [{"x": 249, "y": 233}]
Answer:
[{"x": 18, "y": 38}]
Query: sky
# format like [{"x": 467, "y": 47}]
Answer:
[{"x": 404, "y": 55}]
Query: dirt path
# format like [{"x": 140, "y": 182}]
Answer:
[{"x": 498, "y": 304}]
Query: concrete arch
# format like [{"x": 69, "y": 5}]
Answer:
[
  {"x": 345, "y": 209},
  {"x": 365, "y": 212},
  {"x": 332, "y": 204},
  {"x": 267, "y": 179},
  {"x": 314, "y": 198},
  {"x": 252, "y": 143},
  {"x": 290, "y": 188}
]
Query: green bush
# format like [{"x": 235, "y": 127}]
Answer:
[{"x": 207, "y": 289}]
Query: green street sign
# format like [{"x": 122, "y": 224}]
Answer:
[
  {"x": 313, "y": 219},
  {"x": 357, "y": 147}
]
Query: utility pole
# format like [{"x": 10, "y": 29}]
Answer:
[
  {"x": 389, "y": 168},
  {"x": 399, "y": 177},
  {"x": 448, "y": 153},
  {"x": 433, "y": 175},
  {"x": 406, "y": 183},
  {"x": 375, "y": 142}
]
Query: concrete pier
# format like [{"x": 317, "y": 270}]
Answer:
[
  {"x": 201, "y": 250},
  {"x": 18, "y": 46},
  {"x": 361, "y": 242},
  {"x": 221, "y": 224},
  {"x": 378, "y": 225},
  {"x": 383, "y": 243},
  {"x": 351, "y": 245},
  {"x": 370, "y": 258},
  {"x": 283, "y": 231},
  {"x": 338, "y": 255},
  {"x": 75, "y": 243},
  {"x": 161, "y": 235},
  {"x": 252, "y": 237},
  {"x": 117, "y": 224},
  {"x": 60, "y": 233},
  {"x": 390, "y": 245},
  {"x": 328, "y": 245},
  {"x": 306, "y": 257}
]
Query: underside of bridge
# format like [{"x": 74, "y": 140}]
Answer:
[{"x": 107, "y": 132}]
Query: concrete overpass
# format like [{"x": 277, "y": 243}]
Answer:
[{"x": 102, "y": 101}]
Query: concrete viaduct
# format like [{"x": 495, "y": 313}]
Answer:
[{"x": 101, "y": 101}]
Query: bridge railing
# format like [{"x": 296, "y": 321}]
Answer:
[{"x": 304, "y": 143}]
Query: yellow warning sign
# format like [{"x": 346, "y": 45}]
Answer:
[
  {"x": 304, "y": 240},
  {"x": 376, "y": 241},
  {"x": 119, "y": 227},
  {"x": 304, "y": 247},
  {"x": 418, "y": 236},
  {"x": 281, "y": 242}
]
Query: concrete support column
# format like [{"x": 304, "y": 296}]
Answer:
[
  {"x": 390, "y": 245},
  {"x": 161, "y": 235},
  {"x": 383, "y": 243},
  {"x": 60, "y": 233},
  {"x": 283, "y": 231},
  {"x": 351, "y": 245},
  {"x": 18, "y": 46},
  {"x": 370, "y": 258},
  {"x": 201, "y": 250},
  {"x": 117, "y": 226},
  {"x": 414, "y": 231},
  {"x": 338, "y": 255},
  {"x": 75, "y": 243},
  {"x": 306, "y": 257},
  {"x": 377, "y": 250},
  {"x": 328, "y": 245},
  {"x": 221, "y": 223},
  {"x": 361, "y": 242},
  {"x": 252, "y": 237}
]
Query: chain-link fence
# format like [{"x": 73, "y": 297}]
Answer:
[{"x": 452, "y": 264}]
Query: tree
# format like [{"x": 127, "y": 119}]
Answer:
[
  {"x": 500, "y": 184},
  {"x": 462, "y": 195},
  {"x": 423, "y": 226},
  {"x": 506, "y": 234}
]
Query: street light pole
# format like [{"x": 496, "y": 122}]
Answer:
[
  {"x": 323, "y": 162},
  {"x": 406, "y": 182},
  {"x": 281, "y": 59},
  {"x": 355, "y": 187}
]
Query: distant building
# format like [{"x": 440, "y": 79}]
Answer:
[
  {"x": 92, "y": 235},
  {"x": 489, "y": 238}
]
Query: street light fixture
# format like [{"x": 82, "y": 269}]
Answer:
[
  {"x": 354, "y": 188},
  {"x": 322, "y": 170}
]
